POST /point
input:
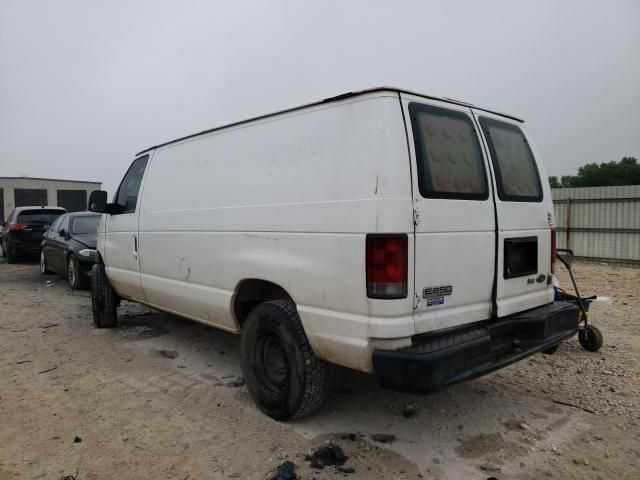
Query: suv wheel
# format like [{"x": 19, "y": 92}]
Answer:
[
  {"x": 104, "y": 300},
  {"x": 282, "y": 374},
  {"x": 11, "y": 256}
]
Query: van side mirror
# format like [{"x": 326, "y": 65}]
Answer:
[{"x": 98, "y": 201}]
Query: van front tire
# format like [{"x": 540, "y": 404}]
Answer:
[
  {"x": 284, "y": 377},
  {"x": 104, "y": 301}
]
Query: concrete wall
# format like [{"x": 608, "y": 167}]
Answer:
[
  {"x": 52, "y": 186},
  {"x": 599, "y": 222}
]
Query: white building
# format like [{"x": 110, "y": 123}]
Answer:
[{"x": 26, "y": 191}]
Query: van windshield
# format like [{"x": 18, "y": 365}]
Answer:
[
  {"x": 450, "y": 163},
  {"x": 516, "y": 172}
]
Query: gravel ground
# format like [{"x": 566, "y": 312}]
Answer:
[
  {"x": 160, "y": 397},
  {"x": 606, "y": 382}
]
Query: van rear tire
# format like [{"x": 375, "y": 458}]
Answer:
[
  {"x": 283, "y": 376},
  {"x": 104, "y": 300}
]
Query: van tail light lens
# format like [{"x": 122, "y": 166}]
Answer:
[
  {"x": 387, "y": 269},
  {"x": 553, "y": 250},
  {"x": 13, "y": 227}
]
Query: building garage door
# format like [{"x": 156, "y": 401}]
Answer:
[
  {"x": 73, "y": 200},
  {"x": 29, "y": 197}
]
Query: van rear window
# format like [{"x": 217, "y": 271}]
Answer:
[
  {"x": 450, "y": 164},
  {"x": 516, "y": 172}
]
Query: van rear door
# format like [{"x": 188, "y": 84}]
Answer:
[
  {"x": 525, "y": 216},
  {"x": 454, "y": 215}
]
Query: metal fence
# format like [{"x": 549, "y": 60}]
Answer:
[{"x": 599, "y": 223}]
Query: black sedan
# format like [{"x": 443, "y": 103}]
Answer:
[
  {"x": 22, "y": 233},
  {"x": 69, "y": 247}
]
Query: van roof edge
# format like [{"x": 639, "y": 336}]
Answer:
[{"x": 335, "y": 98}]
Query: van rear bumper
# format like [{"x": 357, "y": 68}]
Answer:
[{"x": 435, "y": 361}]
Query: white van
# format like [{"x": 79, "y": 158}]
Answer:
[{"x": 387, "y": 231}]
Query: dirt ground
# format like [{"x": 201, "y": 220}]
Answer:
[{"x": 159, "y": 397}]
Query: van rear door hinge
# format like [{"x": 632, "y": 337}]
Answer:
[
  {"x": 416, "y": 301},
  {"x": 416, "y": 216}
]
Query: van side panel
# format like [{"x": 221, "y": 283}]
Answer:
[{"x": 288, "y": 199}]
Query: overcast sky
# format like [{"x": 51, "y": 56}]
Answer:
[{"x": 84, "y": 85}]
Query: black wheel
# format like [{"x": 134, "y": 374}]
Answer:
[
  {"x": 4, "y": 250},
  {"x": 282, "y": 374},
  {"x": 43, "y": 264},
  {"x": 590, "y": 338},
  {"x": 76, "y": 280},
  {"x": 551, "y": 350},
  {"x": 11, "y": 255},
  {"x": 104, "y": 300}
]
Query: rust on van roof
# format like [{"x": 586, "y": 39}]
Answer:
[{"x": 329, "y": 100}]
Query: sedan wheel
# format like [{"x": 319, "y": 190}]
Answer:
[
  {"x": 43, "y": 263},
  {"x": 76, "y": 281}
]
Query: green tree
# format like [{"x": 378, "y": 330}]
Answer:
[
  {"x": 567, "y": 181},
  {"x": 553, "y": 181},
  {"x": 624, "y": 172}
]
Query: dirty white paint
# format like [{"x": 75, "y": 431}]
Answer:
[{"x": 290, "y": 199}]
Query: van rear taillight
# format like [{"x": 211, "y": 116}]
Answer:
[
  {"x": 553, "y": 249},
  {"x": 387, "y": 267},
  {"x": 17, "y": 226}
]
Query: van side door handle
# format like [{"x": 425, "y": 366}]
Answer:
[{"x": 135, "y": 245}]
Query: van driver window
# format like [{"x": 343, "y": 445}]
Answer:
[{"x": 127, "y": 197}]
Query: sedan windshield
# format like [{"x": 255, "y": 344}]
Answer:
[{"x": 83, "y": 225}]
